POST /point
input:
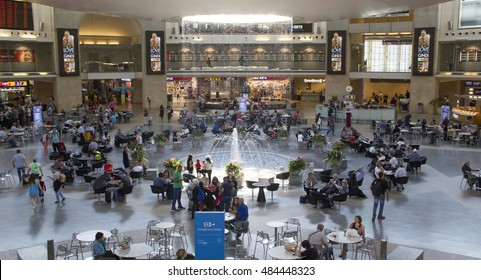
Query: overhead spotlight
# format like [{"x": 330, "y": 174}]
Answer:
[
  {"x": 317, "y": 37},
  {"x": 176, "y": 38},
  {"x": 474, "y": 32},
  {"x": 293, "y": 38},
  {"x": 170, "y": 37},
  {"x": 466, "y": 33},
  {"x": 447, "y": 34},
  {"x": 452, "y": 33},
  {"x": 322, "y": 37},
  {"x": 298, "y": 37}
]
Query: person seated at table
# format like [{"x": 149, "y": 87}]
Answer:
[
  {"x": 216, "y": 129},
  {"x": 468, "y": 172},
  {"x": 159, "y": 181},
  {"x": 108, "y": 167},
  {"x": 344, "y": 134},
  {"x": 393, "y": 163},
  {"x": 358, "y": 226},
  {"x": 413, "y": 157},
  {"x": 310, "y": 182},
  {"x": 331, "y": 186},
  {"x": 242, "y": 215},
  {"x": 382, "y": 156},
  {"x": 341, "y": 194},
  {"x": 379, "y": 168},
  {"x": 235, "y": 204},
  {"x": 125, "y": 183},
  {"x": 400, "y": 142},
  {"x": 184, "y": 133},
  {"x": 99, "y": 248},
  {"x": 377, "y": 139},
  {"x": 307, "y": 252},
  {"x": 183, "y": 255},
  {"x": 400, "y": 172},
  {"x": 11, "y": 141},
  {"x": 319, "y": 239}
]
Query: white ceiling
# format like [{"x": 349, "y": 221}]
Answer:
[{"x": 301, "y": 10}]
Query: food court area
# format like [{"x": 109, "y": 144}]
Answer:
[{"x": 435, "y": 214}]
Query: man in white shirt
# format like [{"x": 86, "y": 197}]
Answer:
[
  {"x": 400, "y": 172},
  {"x": 393, "y": 162}
]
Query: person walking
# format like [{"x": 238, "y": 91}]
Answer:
[
  {"x": 55, "y": 139},
  {"x": 19, "y": 162},
  {"x": 161, "y": 112},
  {"x": 35, "y": 168},
  {"x": 125, "y": 158},
  {"x": 57, "y": 185},
  {"x": 44, "y": 141},
  {"x": 33, "y": 191},
  {"x": 380, "y": 191},
  {"x": 190, "y": 164},
  {"x": 226, "y": 193},
  {"x": 177, "y": 186}
]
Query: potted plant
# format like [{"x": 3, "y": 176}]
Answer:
[
  {"x": 283, "y": 136},
  {"x": 336, "y": 154},
  {"x": 438, "y": 102},
  {"x": 295, "y": 167},
  {"x": 241, "y": 133},
  {"x": 139, "y": 155},
  {"x": 160, "y": 140},
  {"x": 233, "y": 168},
  {"x": 319, "y": 140},
  {"x": 197, "y": 136},
  {"x": 172, "y": 164}
]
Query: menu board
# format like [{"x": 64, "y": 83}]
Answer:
[
  {"x": 423, "y": 51},
  {"x": 16, "y": 15},
  {"x": 67, "y": 42},
  {"x": 154, "y": 52},
  {"x": 336, "y": 54}
]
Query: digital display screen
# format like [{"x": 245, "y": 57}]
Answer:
[
  {"x": 155, "y": 52},
  {"x": 336, "y": 45},
  {"x": 16, "y": 15},
  {"x": 423, "y": 51},
  {"x": 67, "y": 41},
  {"x": 302, "y": 28},
  {"x": 469, "y": 11}
]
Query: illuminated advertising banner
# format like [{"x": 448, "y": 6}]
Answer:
[
  {"x": 154, "y": 52},
  {"x": 423, "y": 51},
  {"x": 17, "y": 56},
  {"x": 243, "y": 105},
  {"x": 336, "y": 52},
  {"x": 37, "y": 115},
  {"x": 67, "y": 41}
]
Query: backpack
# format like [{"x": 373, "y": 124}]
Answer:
[
  {"x": 35, "y": 169},
  {"x": 62, "y": 178},
  {"x": 376, "y": 187},
  {"x": 200, "y": 195}
]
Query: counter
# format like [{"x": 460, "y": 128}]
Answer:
[{"x": 359, "y": 114}]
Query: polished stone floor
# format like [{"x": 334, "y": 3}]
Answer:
[{"x": 433, "y": 213}]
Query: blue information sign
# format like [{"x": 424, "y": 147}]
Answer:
[
  {"x": 209, "y": 235},
  {"x": 445, "y": 112},
  {"x": 242, "y": 105},
  {"x": 37, "y": 115}
]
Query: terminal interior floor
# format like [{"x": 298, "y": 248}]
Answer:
[{"x": 433, "y": 213}]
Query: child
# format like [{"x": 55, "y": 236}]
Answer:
[
  {"x": 41, "y": 188},
  {"x": 198, "y": 165}
]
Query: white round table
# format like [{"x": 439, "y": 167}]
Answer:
[
  {"x": 276, "y": 225},
  {"x": 228, "y": 216},
  {"x": 165, "y": 226},
  {"x": 280, "y": 253},
  {"x": 89, "y": 236},
  {"x": 341, "y": 238},
  {"x": 135, "y": 250}
]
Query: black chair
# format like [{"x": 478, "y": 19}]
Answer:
[
  {"x": 99, "y": 186},
  {"x": 354, "y": 146},
  {"x": 272, "y": 188},
  {"x": 88, "y": 178},
  {"x": 338, "y": 199},
  {"x": 400, "y": 181},
  {"x": 123, "y": 192},
  {"x": 81, "y": 171},
  {"x": 315, "y": 197},
  {"x": 249, "y": 185},
  {"x": 423, "y": 161},
  {"x": 99, "y": 164},
  {"x": 187, "y": 177},
  {"x": 135, "y": 176},
  {"x": 158, "y": 190},
  {"x": 283, "y": 176},
  {"x": 415, "y": 147},
  {"x": 415, "y": 165}
]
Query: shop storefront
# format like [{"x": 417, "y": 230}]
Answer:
[
  {"x": 12, "y": 91},
  {"x": 311, "y": 89}
]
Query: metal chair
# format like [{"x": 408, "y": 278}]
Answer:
[
  {"x": 178, "y": 231},
  {"x": 265, "y": 240},
  {"x": 366, "y": 248},
  {"x": 242, "y": 228},
  {"x": 153, "y": 234},
  {"x": 289, "y": 237},
  {"x": 75, "y": 243},
  {"x": 136, "y": 177},
  {"x": 114, "y": 238},
  {"x": 293, "y": 225},
  {"x": 65, "y": 253}
]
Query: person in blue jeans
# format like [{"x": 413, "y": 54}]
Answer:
[
  {"x": 177, "y": 187},
  {"x": 19, "y": 163},
  {"x": 382, "y": 194}
]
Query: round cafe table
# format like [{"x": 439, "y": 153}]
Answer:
[
  {"x": 261, "y": 197},
  {"x": 280, "y": 253},
  {"x": 341, "y": 238},
  {"x": 275, "y": 225},
  {"x": 89, "y": 236},
  {"x": 135, "y": 250},
  {"x": 228, "y": 216}
]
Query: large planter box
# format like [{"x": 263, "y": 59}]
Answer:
[
  {"x": 283, "y": 142},
  {"x": 196, "y": 143},
  {"x": 295, "y": 179},
  {"x": 160, "y": 149}
]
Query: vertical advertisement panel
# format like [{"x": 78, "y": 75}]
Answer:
[
  {"x": 336, "y": 52},
  {"x": 37, "y": 115},
  {"x": 67, "y": 42},
  {"x": 423, "y": 51},
  {"x": 445, "y": 112},
  {"x": 154, "y": 52},
  {"x": 209, "y": 235}
]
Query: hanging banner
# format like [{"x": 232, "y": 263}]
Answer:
[
  {"x": 336, "y": 52},
  {"x": 423, "y": 51},
  {"x": 154, "y": 52},
  {"x": 209, "y": 235},
  {"x": 37, "y": 115},
  {"x": 67, "y": 42}
]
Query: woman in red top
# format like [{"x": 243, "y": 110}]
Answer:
[{"x": 198, "y": 166}]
